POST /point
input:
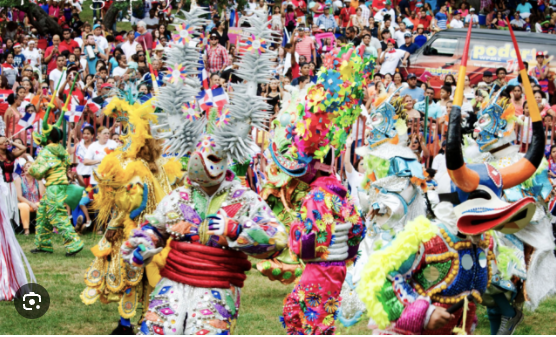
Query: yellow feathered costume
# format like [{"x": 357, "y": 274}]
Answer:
[{"x": 132, "y": 180}]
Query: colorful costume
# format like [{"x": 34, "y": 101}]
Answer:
[
  {"x": 394, "y": 185},
  {"x": 51, "y": 164},
  {"x": 12, "y": 258},
  {"x": 433, "y": 265},
  {"x": 214, "y": 221},
  {"x": 328, "y": 227},
  {"x": 525, "y": 260},
  {"x": 132, "y": 180}
]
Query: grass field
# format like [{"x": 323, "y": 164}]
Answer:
[{"x": 261, "y": 302}]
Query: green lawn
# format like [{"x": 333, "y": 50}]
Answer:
[{"x": 261, "y": 302}]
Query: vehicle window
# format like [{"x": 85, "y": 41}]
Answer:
[{"x": 442, "y": 47}]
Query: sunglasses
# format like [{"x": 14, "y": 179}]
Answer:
[
  {"x": 28, "y": 70},
  {"x": 140, "y": 55},
  {"x": 214, "y": 38}
]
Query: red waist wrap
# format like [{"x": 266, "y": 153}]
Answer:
[{"x": 205, "y": 267}]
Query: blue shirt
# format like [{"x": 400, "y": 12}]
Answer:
[
  {"x": 524, "y": 8},
  {"x": 329, "y": 22},
  {"x": 19, "y": 60},
  {"x": 441, "y": 19},
  {"x": 412, "y": 48},
  {"x": 435, "y": 111},
  {"x": 420, "y": 40},
  {"x": 417, "y": 93},
  {"x": 114, "y": 64},
  {"x": 93, "y": 62},
  {"x": 432, "y": 3}
]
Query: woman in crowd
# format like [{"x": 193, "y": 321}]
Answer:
[
  {"x": 467, "y": 90},
  {"x": 543, "y": 106},
  {"x": 276, "y": 23},
  {"x": 358, "y": 20},
  {"x": 9, "y": 48},
  {"x": 274, "y": 96},
  {"x": 29, "y": 192},
  {"x": 398, "y": 82},
  {"x": 499, "y": 22},
  {"x": 12, "y": 115},
  {"x": 9, "y": 70},
  {"x": 420, "y": 38},
  {"x": 411, "y": 112},
  {"x": 387, "y": 82},
  {"x": 7, "y": 165},
  {"x": 96, "y": 152},
  {"x": 30, "y": 75},
  {"x": 552, "y": 165},
  {"x": 164, "y": 32},
  {"x": 355, "y": 174}
]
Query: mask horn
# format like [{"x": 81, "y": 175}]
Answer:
[
  {"x": 462, "y": 176},
  {"x": 519, "y": 172}
]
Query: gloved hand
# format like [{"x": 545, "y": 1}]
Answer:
[
  {"x": 139, "y": 249},
  {"x": 220, "y": 224}
]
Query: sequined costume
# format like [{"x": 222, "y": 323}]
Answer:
[
  {"x": 132, "y": 180},
  {"x": 326, "y": 238},
  {"x": 394, "y": 187},
  {"x": 214, "y": 221}
]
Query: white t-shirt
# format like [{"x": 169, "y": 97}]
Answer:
[
  {"x": 80, "y": 154},
  {"x": 101, "y": 42},
  {"x": 375, "y": 43},
  {"x": 455, "y": 23},
  {"x": 151, "y": 22},
  {"x": 32, "y": 56},
  {"x": 55, "y": 76},
  {"x": 399, "y": 37},
  {"x": 129, "y": 49},
  {"x": 391, "y": 61},
  {"x": 439, "y": 163},
  {"x": 118, "y": 71},
  {"x": 475, "y": 20},
  {"x": 96, "y": 151}
]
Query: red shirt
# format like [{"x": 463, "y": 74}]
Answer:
[
  {"x": 426, "y": 21},
  {"x": 345, "y": 15},
  {"x": 299, "y": 4},
  {"x": 52, "y": 64},
  {"x": 69, "y": 46},
  {"x": 147, "y": 39}
]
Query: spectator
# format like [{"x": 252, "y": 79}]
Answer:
[
  {"x": 417, "y": 93},
  {"x": 152, "y": 20},
  {"x": 499, "y": 22},
  {"x": 19, "y": 58},
  {"x": 222, "y": 32},
  {"x": 300, "y": 8},
  {"x": 358, "y": 20},
  {"x": 32, "y": 54},
  {"x": 409, "y": 46},
  {"x": 420, "y": 38},
  {"x": 441, "y": 18},
  {"x": 327, "y": 20},
  {"x": 121, "y": 69},
  {"x": 352, "y": 37},
  {"x": 129, "y": 47},
  {"x": 100, "y": 40},
  {"x": 304, "y": 45},
  {"x": 29, "y": 192},
  {"x": 524, "y": 9},
  {"x": 345, "y": 15},
  {"x": 397, "y": 82},
  {"x": 434, "y": 110},
  {"x": 369, "y": 44},
  {"x": 216, "y": 56},
  {"x": 390, "y": 58},
  {"x": 305, "y": 71},
  {"x": 51, "y": 54},
  {"x": 425, "y": 20},
  {"x": 9, "y": 71},
  {"x": 55, "y": 74},
  {"x": 399, "y": 35},
  {"x": 145, "y": 38},
  {"x": 500, "y": 78},
  {"x": 93, "y": 53},
  {"x": 456, "y": 21},
  {"x": 473, "y": 16},
  {"x": 7, "y": 164},
  {"x": 68, "y": 42},
  {"x": 445, "y": 93},
  {"x": 517, "y": 23},
  {"x": 540, "y": 71},
  {"x": 544, "y": 107}
]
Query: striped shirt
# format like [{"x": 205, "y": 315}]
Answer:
[{"x": 305, "y": 47}]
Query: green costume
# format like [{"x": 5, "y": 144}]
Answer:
[{"x": 51, "y": 164}]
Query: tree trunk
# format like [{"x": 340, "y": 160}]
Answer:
[
  {"x": 40, "y": 20},
  {"x": 110, "y": 17}
]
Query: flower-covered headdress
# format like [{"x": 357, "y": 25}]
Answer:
[{"x": 310, "y": 127}]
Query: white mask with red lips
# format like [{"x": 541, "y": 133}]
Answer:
[{"x": 207, "y": 166}]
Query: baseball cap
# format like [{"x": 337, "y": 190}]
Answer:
[
  {"x": 471, "y": 9},
  {"x": 96, "y": 26},
  {"x": 214, "y": 35},
  {"x": 411, "y": 75},
  {"x": 119, "y": 38},
  {"x": 407, "y": 34},
  {"x": 387, "y": 2},
  {"x": 487, "y": 73},
  {"x": 391, "y": 41},
  {"x": 539, "y": 53},
  {"x": 106, "y": 85}
]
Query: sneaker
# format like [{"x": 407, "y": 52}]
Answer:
[
  {"x": 39, "y": 251},
  {"x": 88, "y": 224},
  {"x": 509, "y": 324},
  {"x": 79, "y": 221}
]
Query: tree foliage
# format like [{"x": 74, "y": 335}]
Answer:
[{"x": 38, "y": 18}]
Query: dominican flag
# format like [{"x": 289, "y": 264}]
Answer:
[
  {"x": 26, "y": 122},
  {"x": 234, "y": 18},
  {"x": 74, "y": 114},
  {"x": 204, "y": 78},
  {"x": 95, "y": 104},
  {"x": 4, "y": 95},
  {"x": 210, "y": 98}
]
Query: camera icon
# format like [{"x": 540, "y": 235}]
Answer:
[{"x": 31, "y": 299}]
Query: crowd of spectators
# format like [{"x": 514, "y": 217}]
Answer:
[{"x": 106, "y": 57}]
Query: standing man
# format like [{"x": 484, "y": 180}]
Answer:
[
  {"x": 409, "y": 46},
  {"x": 52, "y": 53},
  {"x": 390, "y": 58},
  {"x": 68, "y": 42},
  {"x": 299, "y": 8},
  {"x": 51, "y": 165},
  {"x": 216, "y": 56},
  {"x": 417, "y": 93},
  {"x": 305, "y": 46},
  {"x": 145, "y": 38},
  {"x": 99, "y": 39},
  {"x": 399, "y": 35},
  {"x": 130, "y": 45},
  {"x": 441, "y": 18},
  {"x": 434, "y": 110},
  {"x": 32, "y": 54},
  {"x": 98, "y": 53},
  {"x": 56, "y": 73},
  {"x": 19, "y": 58},
  {"x": 327, "y": 20}
]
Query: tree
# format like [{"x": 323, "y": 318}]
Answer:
[{"x": 38, "y": 18}]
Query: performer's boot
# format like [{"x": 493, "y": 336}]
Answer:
[{"x": 124, "y": 328}]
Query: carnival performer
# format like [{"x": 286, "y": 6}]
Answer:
[
  {"x": 327, "y": 232},
  {"x": 134, "y": 178},
  {"x": 430, "y": 266},
  {"x": 214, "y": 221},
  {"x": 525, "y": 260},
  {"x": 394, "y": 185},
  {"x": 51, "y": 165},
  {"x": 12, "y": 258}
]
